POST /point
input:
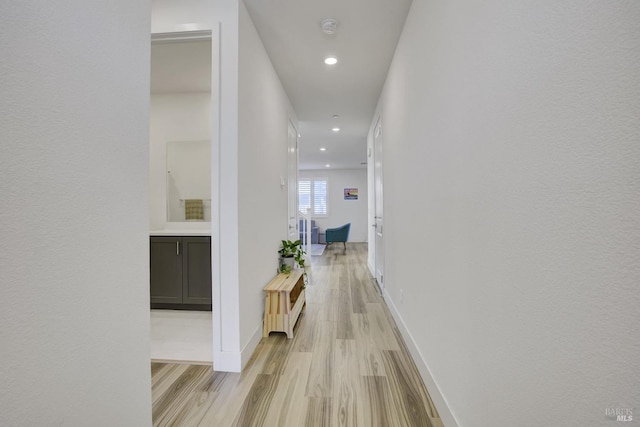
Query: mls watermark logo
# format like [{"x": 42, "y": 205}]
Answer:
[{"x": 619, "y": 414}]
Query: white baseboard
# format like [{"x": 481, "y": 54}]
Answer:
[
  {"x": 434, "y": 391},
  {"x": 248, "y": 349},
  {"x": 372, "y": 269},
  {"x": 235, "y": 361},
  {"x": 227, "y": 361}
]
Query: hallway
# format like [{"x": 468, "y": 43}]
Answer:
[{"x": 346, "y": 366}]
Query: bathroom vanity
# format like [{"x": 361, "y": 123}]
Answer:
[{"x": 180, "y": 271}]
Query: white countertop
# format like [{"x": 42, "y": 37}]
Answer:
[{"x": 180, "y": 232}]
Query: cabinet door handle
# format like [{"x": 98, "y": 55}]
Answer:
[{"x": 178, "y": 247}]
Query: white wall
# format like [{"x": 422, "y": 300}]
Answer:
[
  {"x": 512, "y": 194},
  {"x": 264, "y": 112},
  {"x": 221, "y": 17},
  {"x": 173, "y": 117},
  {"x": 74, "y": 294},
  {"x": 249, "y": 116},
  {"x": 170, "y": 16},
  {"x": 344, "y": 211}
]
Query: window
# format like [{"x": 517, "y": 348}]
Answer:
[{"x": 312, "y": 196}]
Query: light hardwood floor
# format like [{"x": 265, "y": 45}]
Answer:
[{"x": 346, "y": 366}]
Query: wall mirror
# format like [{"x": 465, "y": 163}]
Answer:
[{"x": 189, "y": 181}]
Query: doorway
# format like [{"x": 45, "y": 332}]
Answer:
[
  {"x": 180, "y": 149},
  {"x": 292, "y": 165},
  {"x": 378, "y": 204}
]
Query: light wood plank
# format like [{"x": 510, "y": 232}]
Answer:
[
  {"x": 256, "y": 404},
  {"x": 289, "y": 405},
  {"x": 347, "y": 394},
  {"x": 369, "y": 357},
  {"x": 318, "y": 412},
  {"x": 346, "y": 366},
  {"x": 235, "y": 389},
  {"x": 169, "y": 406},
  {"x": 378, "y": 411},
  {"x": 407, "y": 392},
  {"x": 320, "y": 380},
  {"x": 380, "y": 329},
  {"x": 306, "y": 331},
  {"x": 344, "y": 327}
]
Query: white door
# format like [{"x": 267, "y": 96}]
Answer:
[
  {"x": 292, "y": 163},
  {"x": 378, "y": 219}
]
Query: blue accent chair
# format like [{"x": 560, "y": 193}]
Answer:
[
  {"x": 338, "y": 234},
  {"x": 303, "y": 232}
]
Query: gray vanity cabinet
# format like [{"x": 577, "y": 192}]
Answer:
[
  {"x": 180, "y": 272},
  {"x": 196, "y": 270},
  {"x": 166, "y": 270}
]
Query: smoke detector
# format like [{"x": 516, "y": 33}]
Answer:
[{"x": 329, "y": 26}]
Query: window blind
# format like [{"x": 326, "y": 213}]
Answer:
[{"x": 312, "y": 196}]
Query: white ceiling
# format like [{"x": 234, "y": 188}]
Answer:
[{"x": 366, "y": 37}]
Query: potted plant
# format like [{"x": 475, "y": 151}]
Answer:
[{"x": 291, "y": 253}]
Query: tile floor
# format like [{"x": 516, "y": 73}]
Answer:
[{"x": 181, "y": 336}]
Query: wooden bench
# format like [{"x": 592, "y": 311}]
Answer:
[{"x": 284, "y": 303}]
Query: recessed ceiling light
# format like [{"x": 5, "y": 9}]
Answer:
[
  {"x": 327, "y": 166},
  {"x": 331, "y": 60},
  {"x": 336, "y": 129},
  {"x": 323, "y": 149}
]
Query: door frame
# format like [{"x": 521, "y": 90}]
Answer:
[
  {"x": 214, "y": 34},
  {"x": 292, "y": 180},
  {"x": 378, "y": 204}
]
